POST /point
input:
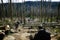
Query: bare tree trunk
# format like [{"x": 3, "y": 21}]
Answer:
[
  {"x": 46, "y": 12},
  {"x": 31, "y": 12},
  {"x": 24, "y": 13},
  {"x": 50, "y": 12},
  {"x": 3, "y": 14},
  {"x": 10, "y": 9},
  {"x": 41, "y": 11},
  {"x": 58, "y": 14},
  {"x": 49, "y": 16}
]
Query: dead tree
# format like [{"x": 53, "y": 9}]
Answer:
[
  {"x": 40, "y": 12},
  {"x": 44, "y": 15},
  {"x": 10, "y": 9},
  {"x": 49, "y": 16},
  {"x": 3, "y": 13},
  {"x": 58, "y": 13}
]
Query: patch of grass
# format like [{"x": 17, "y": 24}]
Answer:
[{"x": 57, "y": 30}]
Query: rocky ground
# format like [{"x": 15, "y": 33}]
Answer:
[{"x": 22, "y": 35}]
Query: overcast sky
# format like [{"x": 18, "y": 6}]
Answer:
[{"x": 16, "y": 1}]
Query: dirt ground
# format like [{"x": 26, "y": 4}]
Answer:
[{"x": 22, "y": 35}]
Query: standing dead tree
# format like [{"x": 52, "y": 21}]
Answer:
[
  {"x": 58, "y": 14},
  {"x": 10, "y": 9},
  {"x": 2, "y": 9},
  {"x": 40, "y": 12},
  {"x": 49, "y": 17}
]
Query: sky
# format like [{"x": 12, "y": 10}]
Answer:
[{"x": 20, "y": 1}]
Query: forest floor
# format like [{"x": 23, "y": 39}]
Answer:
[{"x": 23, "y": 35}]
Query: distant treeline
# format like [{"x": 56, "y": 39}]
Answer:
[{"x": 29, "y": 9}]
